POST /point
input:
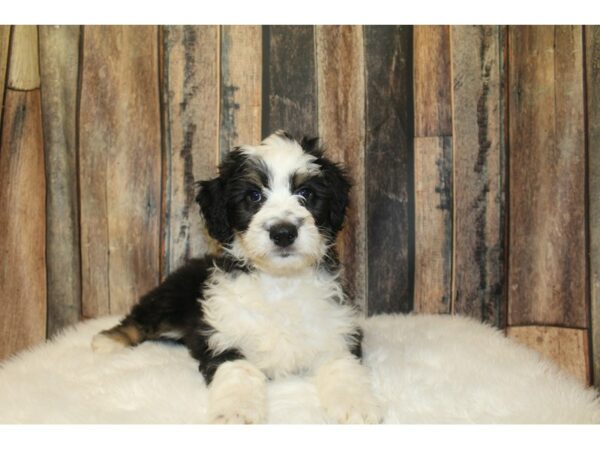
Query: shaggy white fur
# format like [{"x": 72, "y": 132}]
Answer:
[{"x": 425, "y": 369}]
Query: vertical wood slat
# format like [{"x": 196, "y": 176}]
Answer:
[
  {"x": 290, "y": 95},
  {"x": 341, "y": 111},
  {"x": 567, "y": 347},
  {"x": 24, "y": 71},
  {"x": 592, "y": 57},
  {"x": 241, "y": 86},
  {"x": 389, "y": 168},
  {"x": 478, "y": 147},
  {"x": 23, "y": 224},
  {"x": 547, "y": 268},
  {"x": 120, "y": 167},
  {"x": 59, "y": 68},
  {"x": 191, "y": 131},
  {"x": 433, "y": 170},
  {"x": 4, "y": 46},
  {"x": 433, "y": 224}
]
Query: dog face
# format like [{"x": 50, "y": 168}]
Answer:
[{"x": 278, "y": 205}]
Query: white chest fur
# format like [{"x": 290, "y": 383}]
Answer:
[{"x": 282, "y": 325}]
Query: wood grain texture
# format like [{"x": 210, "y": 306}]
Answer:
[
  {"x": 120, "y": 167},
  {"x": 341, "y": 110},
  {"x": 567, "y": 347},
  {"x": 479, "y": 157},
  {"x": 547, "y": 264},
  {"x": 389, "y": 168},
  {"x": 59, "y": 67},
  {"x": 291, "y": 95},
  {"x": 191, "y": 100},
  {"x": 241, "y": 86},
  {"x": 592, "y": 57},
  {"x": 23, "y": 224},
  {"x": 4, "y": 47},
  {"x": 24, "y": 69},
  {"x": 433, "y": 224},
  {"x": 432, "y": 90}
]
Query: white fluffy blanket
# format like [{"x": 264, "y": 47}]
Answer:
[{"x": 426, "y": 369}]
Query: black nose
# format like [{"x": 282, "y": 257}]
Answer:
[{"x": 283, "y": 234}]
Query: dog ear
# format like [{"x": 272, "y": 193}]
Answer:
[
  {"x": 339, "y": 185},
  {"x": 211, "y": 199}
]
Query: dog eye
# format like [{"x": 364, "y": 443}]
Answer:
[
  {"x": 305, "y": 193},
  {"x": 254, "y": 196}
]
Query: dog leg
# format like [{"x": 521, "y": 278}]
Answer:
[
  {"x": 344, "y": 388},
  {"x": 237, "y": 394}
]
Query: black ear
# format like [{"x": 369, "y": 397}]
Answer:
[
  {"x": 339, "y": 185},
  {"x": 211, "y": 199}
]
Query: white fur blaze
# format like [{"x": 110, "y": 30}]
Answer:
[
  {"x": 344, "y": 389},
  {"x": 237, "y": 394},
  {"x": 101, "y": 343}
]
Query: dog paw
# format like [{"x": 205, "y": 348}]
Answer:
[
  {"x": 243, "y": 415},
  {"x": 101, "y": 343},
  {"x": 353, "y": 409}
]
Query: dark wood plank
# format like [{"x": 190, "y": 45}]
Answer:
[
  {"x": 547, "y": 263},
  {"x": 433, "y": 224},
  {"x": 291, "y": 97},
  {"x": 241, "y": 85},
  {"x": 191, "y": 134},
  {"x": 433, "y": 104},
  {"x": 120, "y": 167},
  {"x": 592, "y": 57},
  {"x": 24, "y": 69},
  {"x": 59, "y": 67},
  {"x": 389, "y": 168},
  {"x": 479, "y": 156},
  {"x": 341, "y": 110},
  {"x": 23, "y": 224},
  {"x": 4, "y": 47},
  {"x": 567, "y": 347}
]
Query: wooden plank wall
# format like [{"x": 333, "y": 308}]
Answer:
[{"x": 468, "y": 145}]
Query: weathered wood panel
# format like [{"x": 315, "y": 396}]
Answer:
[
  {"x": 389, "y": 168},
  {"x": 592, "y": 57},
  {"x": 291, "y": 96},
  {"x": 547, "y": 263},
  {"x": 567, "y": 347},
  {"x": 59, "y": 67},
  {"x": 120, "y": 167},
  {"x": 341, "y": 110},
  {"x": 24, "y": 70},
  {"x": 4, "y": 46},
  {"x": 191, "y": 134},
  {"x": 241, "y": 85},
  {"x": 433, "y": 224},
  {"x": 478, "y": 160},
  {"x": 433, "y": 104},
  {"x": 23, "y": 223}
]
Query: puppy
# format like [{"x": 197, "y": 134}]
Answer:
[{"x": 272, "y": 304}]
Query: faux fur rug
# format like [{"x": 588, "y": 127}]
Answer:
[{"x": 426, "y": 369}]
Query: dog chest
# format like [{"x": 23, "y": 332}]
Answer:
[{"x": 281, "y": 324}]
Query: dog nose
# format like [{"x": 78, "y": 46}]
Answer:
[{"x": 283, "y": 234}]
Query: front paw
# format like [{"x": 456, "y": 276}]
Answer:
[
  {"x": 352, "y": 408},
  {"x": 237, "y": 394}
]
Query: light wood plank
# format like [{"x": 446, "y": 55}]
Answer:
[
  {"x": 433, "y": 224},
  {"x": 547, "y": 264},
  {"x": 592, "y": 57},
  {"x": 389, "y": 168},
  {"x": 191, "y": 102},
  {"x": 24, "y": 69},
  {"x": 341, "y": 110},
  {"x": 567, "y": 347},
  {"x": 23, "y": 224},
  {"x": 4, "y": 47},
  {"x": 478, "y": 157},
  {"x": 433, "y": 105},
  {"x": 59, "y": 66},
  {"x": 120, "y": 167},
  {"x": 241, "y": 86}
]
